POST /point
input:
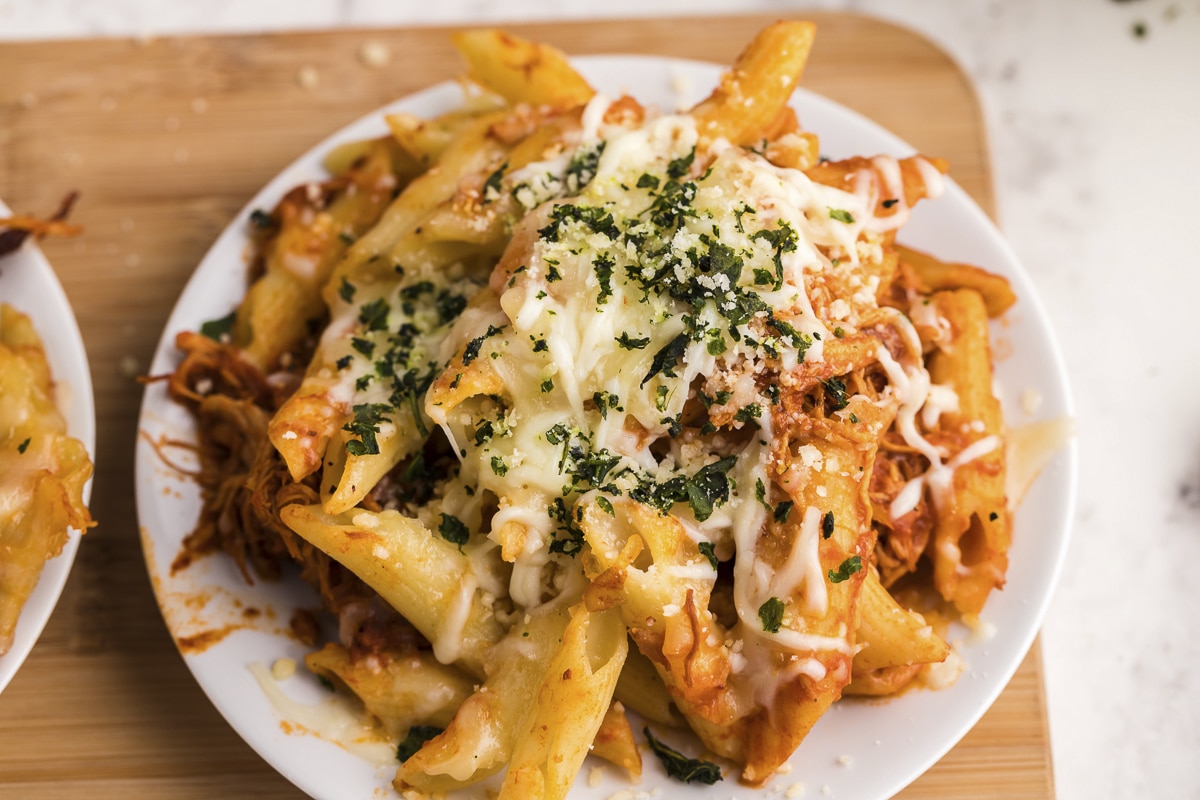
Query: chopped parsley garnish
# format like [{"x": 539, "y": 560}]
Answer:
[
  {"x": 605, "y": 401},
  {"x": 741, "y": 211},
  {"x": 708, "y": 551},
  {"x": 647, "y": 181},
  {"x": 453, "y": 530},
  {"x": 770, "y": 614},
  {"x": 890, "y": 202},
  {"x": 547, "y": 385},
  {"x": 667, "y": 358},
  {"x": 582, "y": 168},
  {"x": 449, "y": 305},
  {"x": 679, "y": 167},
  {"x": 219, "y": 329},
  {"x": 632, "y": 344},
  {"x": 492, "y": 185},
  {"x": 558, "y": 434},
  {"x": 23, "y": 446},
  {"x": 847, "y": 568},
  {"x": 498, "y": 466},
  {"x": 344, "y": 362},
  {"x": 364, "y": 346},
  {"x": 471, "y": 351},
  {"x": 374, "y": 315},
  {"x": 673, "y": 204},
  {"x": 660, "y": 397},
  {"x": 749, "y": 413},
  {"x": 680, "y": 767},
  {"x": 760, "y": 493},
  {"x": 827, "y": 525},
  {"x": 840, "y": 215},
  {"x": 784, "y": 240},
  {"x": 854, "y": 417},
  {"x": 484, "y": 433},
  {"x": 346, "y": 290},
  {"x": 262, "y": 220},
  {"x": 783, "y": 510},
  {"x": 365, "y": 425},
  {"x": 417, "y": 736},
  {"x": 603, "y": 265},
  {"x": 606, "y": 506},
  {"x": 596, "y": 219},
  {"x": 540, "y": 346},
  {"x": 835, "y": 391}
]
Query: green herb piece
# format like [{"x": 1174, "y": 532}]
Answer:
[
  {"x": 453, "y": 530},
  {"x": 647, "y": 181},
  {"x": 374, "y": 315},
  {"x": 23, "y": 446},
  {"x": 680, "y": 767},
  {"x": 783, "y": 510},
  {"x": 606, "y": 506},
  {"x": 346, "y": 290},
  {"x": 770, "y": 614},
  {"x": 547, "y": 385},
  {"x": 847, "y": 568},
  {"x": 827, "y": 525},
  {"x": 835, "y": 390},
  {"x": 492, "y": 184},
  {"x": 841, "y": 216},
  {"x": 660, "y": 397},
  {"x": 760, "y": 493},
  {"x": 596, "y": 219},
  {"x": 709, "y": 486},
  {"x": 471, "y": 351},
  {"x": 890, "y": 202},
  {"x": 603, "y": 265},
  {"x": 417, "y": 736},
  {"x": 632, "y": 344},
  {"x": 498, "y": 466},
  {"x": 449, "y": 305},
  {"x": 262, "y": 220},
  {"x": 784, "y": 240},
  {"x": 558, "y": 434},
  {"x": 582, "y": 168},
  {"x": 679, "y": 167},
  {"x": 708, "y": 551},
  {"x": 365, "y": 424},
  {"x": 219, "y": 329},
  {"x": 605, "y": 401},
  {"x": 667, "y": 358}
]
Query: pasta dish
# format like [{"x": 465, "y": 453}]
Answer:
[
  {"x": 42, "y": 469},
  {"x": 576, "y": 412}
]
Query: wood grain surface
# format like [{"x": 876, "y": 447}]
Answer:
[{"x": 165, "y": 140}]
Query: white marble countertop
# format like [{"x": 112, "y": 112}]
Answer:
[{"x": 1092, "y": 108}]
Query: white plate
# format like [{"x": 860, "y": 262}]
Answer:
[
  {"x": 888, "y": 744},
  {"x": 28, "y": 283}
]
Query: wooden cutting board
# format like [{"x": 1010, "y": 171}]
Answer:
[{"x": 166, "y": 139}]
